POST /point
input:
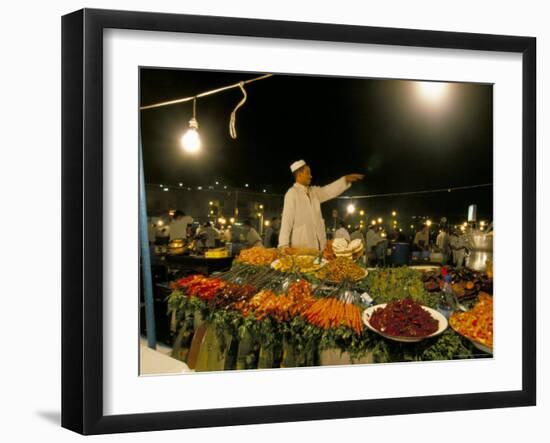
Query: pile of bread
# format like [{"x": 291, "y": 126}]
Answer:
[{"x": 342, "y": 248}]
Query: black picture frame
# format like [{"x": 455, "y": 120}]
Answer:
[{"x": 82, "y": 218}]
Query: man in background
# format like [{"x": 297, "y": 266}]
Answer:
[
  {"x": 422, "y": 239},
  {"x": 271, "y": 233},
  {"x": 178, "y": 226},
  {"x": 252, "y": 238},
  {"x": 342, "y": 232}
]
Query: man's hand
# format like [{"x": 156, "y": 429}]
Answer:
[{"x": 350, "y": 178}]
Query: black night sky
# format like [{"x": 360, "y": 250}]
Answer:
[{"x": 386, "y": 129}]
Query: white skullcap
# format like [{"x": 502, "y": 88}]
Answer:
[{"x": 297, "y": 165}]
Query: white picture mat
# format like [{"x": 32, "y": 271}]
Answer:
[{"x": 125, "y": 392}]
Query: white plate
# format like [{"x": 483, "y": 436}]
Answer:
[
  {"x": 481, "y": 346},
  {"x": 367, "y": 313}
]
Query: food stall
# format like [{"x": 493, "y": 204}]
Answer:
[{"x": 296, "y": 307}]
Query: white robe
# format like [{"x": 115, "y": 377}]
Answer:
[{"x": 302, "y": 224}]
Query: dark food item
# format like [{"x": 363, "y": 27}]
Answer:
[
  {"x": 404, "y": 318},
  {"x": 465, "y": 282}
]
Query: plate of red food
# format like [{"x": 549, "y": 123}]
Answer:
[{"x": 404, "y": 320}]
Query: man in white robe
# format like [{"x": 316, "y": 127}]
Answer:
[{"x": 302, "y": 223}]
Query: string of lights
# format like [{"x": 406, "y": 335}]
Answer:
[
  {"x": 428, "y": 191},
  {"x": 181, "y": 186}
]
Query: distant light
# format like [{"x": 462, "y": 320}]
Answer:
[
  {"x": 188, "y": 189},
  {"x": 162, "y": 186},
  {"x": 393, "y": 213},
  {"x": 160, "y": 223},
  {"x": 349, "y": 226},
  {"x": 481, "y": 228},
  {"x": 225, "y": 187},
  {"x": 412, "y": 226},
  {"x": 259, "y": 215},
  {"x": 481, "y": 223},
  {"x": 431, "y": 91},
  {"x": 199, "y": 188},
  {"x": 361, "y": 212},
  {"x": 261, "y": 206},
  {"x": 463, "y": 228},
  {"x": 265, "y": 190},
  {"x": 165, "y": 189},
  {"x": 210, "y": 203},
  {"x": 181, "y": 184},
  {"x": 232, "y": 220},
  {"x": 350, "y": 208},
  {"x": 379, "y": 219},
  {"x": 400, "y": 230},
  {"x": 266, "y": 223},
  {"x": 465, "y": 224},
  {"x": 217, "y": 183},
  {"x": 428, "y": 222},
  {"x": 221, "y": 221},
  {"x": 373, "y": 222},
  {"x": 211, "y": 212},
  {"x": 171, "y": 212},
  {"x": 383, "y": 234},
  {"x": 246, "y": 185}
]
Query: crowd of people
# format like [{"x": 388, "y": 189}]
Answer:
[
  {"x": 180, "y": 226},
  {"x": 452, "y": 244}
]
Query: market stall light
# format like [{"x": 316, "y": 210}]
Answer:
[
  {"x": 373, "y": 222},
  {"x": 264, "y": 191},
  {"x": 181, "y": 185},
  {"x": 246, "y": 185},
  {"x": 211, "y": 212},
  {"x": 225, "y": 187},
  {"x": 361, "y": 212},
  {"x": 162, "y": 186},
  {"x": 463, "y": 228},
  {"x": 210, "y": 203},
  {"x": 379, "y": 219},
  {"x": 232, "y": 220},
  {"x": 217, "y": 183},
  {"x": 160, "y": 223},
  {"x": 221, "y": 221},
  {"x": 465, "y": 224},
  {"x": 350, "y": 208},
  {"x": 266, "y": 223},
  {"x": 349, "y": 226},
  {"x": 412, "y": 226},
  {"x": 428, "y": 223},
  {"x": 199, "y": 188},
  {"x": 393, "y": 213},
  {"x": 190, "y": 141},
  {"x": 261, "y": 206},
  {"x": 482, "y": 223},
  {"x": 165, "y": 189},
  {"x": 171, "y": 212}
]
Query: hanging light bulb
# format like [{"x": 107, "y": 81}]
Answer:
[
  {"x": 190, "y": 141},
  {"x": 350, "y": 208}
]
